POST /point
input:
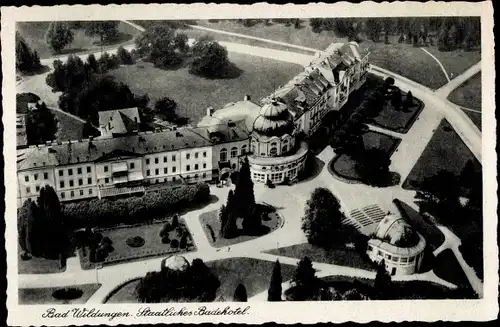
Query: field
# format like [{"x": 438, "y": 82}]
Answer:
[
  {"x": 258, "y": 78},
  {"x": 69, "y": 127},
  {"x": 468, "y": 95},
  {"x": 75, "y": 294},
  {"x": 38, "y": 265},
  {"x": 398, "y": 120},
  {"x": 457, "y": 61},
  {"x": 34, "y": 34},
  {"x": 445, "y": 151}
]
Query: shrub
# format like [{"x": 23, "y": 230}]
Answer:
[
  {"x": 165, "y": 239},
  {"x": 135, "y": 241},
  {"x": 174, "y": 244},
  {"x": 124, "y": 57}
]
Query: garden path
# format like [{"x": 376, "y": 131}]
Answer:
[{"x": 439, "y": 63}]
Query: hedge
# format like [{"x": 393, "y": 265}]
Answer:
[{"x": 102, "y": 212}]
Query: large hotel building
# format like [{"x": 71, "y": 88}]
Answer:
[{"x": 125, "y": 161}]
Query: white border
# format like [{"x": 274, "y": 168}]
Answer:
[{"x": 289, "y": 312}]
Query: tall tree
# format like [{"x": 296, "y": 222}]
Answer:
[
  {"x": 159, "y": 44},
  {"x": 209, "y": 59},
  {"x": 165, "y": 108},
  {"x": 305, "y": 275},
  {"x": 408, "y": 102},
  {"x": 27, "y": 60},
  {"x": 322, "y": 219},
  {"x": 41, "y": 125},
  {"x": 373, "y": 166},
  {"x": 228, "y": 222},
  {"x": 240, "y": 293},
  {"x": 58, "y": 35},
  {"x": 106, "y": 30},
  {"x": 50, "y": 208},
  {"x": 274, "y": 292},
  {"x": 382, "y": 280},
  {"x": 396, "y": 99}
]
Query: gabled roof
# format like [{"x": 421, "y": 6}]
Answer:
[{"x": 120, "y": 121}]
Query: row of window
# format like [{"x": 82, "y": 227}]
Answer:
[
  {"x": 71, "y": 183},
  {"x": 35, "y": 177},
  {"x": 157, "y": 171},
  {"x": 165, "y": 159},
  {"x": 72, "y": 193},
  {"x": 393, "y": 258},
  {"x": 233, "y": 153},
  {"x": 79, "y": 171}
]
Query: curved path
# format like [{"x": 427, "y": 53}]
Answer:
[
  {"x": 438, "y": 62},
  {"x": 290, "y": 204}
]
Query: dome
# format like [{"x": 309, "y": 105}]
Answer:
[
  {"x": 263, "y": 124},
  {"x": 396, "y": 231},
  {"x": 176, "y": 262},
  {"x": 273, "y": 109}
]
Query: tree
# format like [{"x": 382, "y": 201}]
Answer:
[
  {"x": 316, "y": 24},
  {"x": 89, "y": 130},
  {"x": 50, "y": 208},
  {"x": 408, "y": 103},
  {"x": 322, "y": 218},
  {"x": 386, "y": 39},
  {"x": 58, "y": 35},
  {"x": 124, "y": 56},
  {"x": 27, "y": 60},
  {"x": 245, "y": 198},
  {"x": 166, "y": 107},
  {"x": 382, "y": 280},
  {"x": 240, "y": 294},
  {"x": 209, "y": 59},
  {"x": 373, "y": 166},
  {"x": 396, "y": 99},
  {"x": 296, "y": 23},
  {"x": 305, "y": 275},
  {"x": 228, "y": 217},
  {"x": 106, "y": 30},
  {"x": 401, "y": 38},
  {"x": 181, "y": 42},
  {"x": 159, "y": 43},
  {"x": 41, "y": 125},
  {"x": 274, "y": 292},
  {"x": 443, "y": 39}
]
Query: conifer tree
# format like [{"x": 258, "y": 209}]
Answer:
[
  {"x": 274, "y": 292},
  {"x": 382, "y": 280},
  {"x": 240, "y": 294},
  {"x": 58, "y": 36}
]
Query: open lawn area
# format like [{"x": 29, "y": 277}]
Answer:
[
  {"x": 69, "y": 127},
  {"x": 445, "y": 151},
  {"x": 194, "y": 94},
  {"x": 254, "y": 274},
  {"x": 457, "y": 61},
  {"x": 468, "y": 95},
  {"x": 447, "y": 267},
  {"x": 37, "y": 265},
  {"x": 34, "y": 34},
  {"x": 335, "y": 256},
  {"x": 148, "y": 243},
  {"x": 398, "y": 120},
  {"x": 211, "y": 225},
  {"x": 74, "y": 294}
]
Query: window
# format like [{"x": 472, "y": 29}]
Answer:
[
  {"x": 196, "y": 176},
  {"x": 204, "y": 175},
  {"x": 370, "y": 248},
  {"x": 174, "y": 169},
  {"x": 80, "y": 182},
  {"x": 26, "y": 178},
  {"x": 61, "y": 184},
  {"x": 61, "y": 172},
  {"x": 223, "y": 155},
  {"x": 72, "y": 193},
  {"x": 254, "y": 148},
  {"x": 188, "y": 168},
  {"x": 173, "y": 179},
  {"x": 164, "y": 158},
  {"x": 106, "y": 168},
  {"x": 204, "y": 165},
  {"x": 147, "y": 161},
  {"x": 62, "y": 195},
  {"x": 204, "y": 154},
  {"x": 188, "y": 155},
  {"x": 173, "y": 157},
  {"x": 45, "y": 175},
  {"x": 90, "y": 191},
  {"x": 71, "y": 183},
  {"x": 89, "y": 180},
  {"x": 165, "y": 170},
  {"x": 156, "y": 160},
  {"x": 70, "y": 172},
  {"x": 37, "y": 188},
  {"x": 196, "y": 167},
  {"x": 234, "y": 152},
  {"x": 81, "y": 192},
  {"x": 274, "y": 150},
  {"x": 89, "y": 169},
  {"x": 79, "y": 171},
  {"x": 132, "y": 165},
  {"x": 243, "y": 149},
  {"x": 404, "y": 259},
  {"x": 411, "y": 259},
  {"x": 28, "y": 190},
  {"x": 196, "y": 155},
  {"x": 106, "y": 180},
  {"x": 35, "y": 176},
  {"x": 157, "y": 171},
  {"x": 148, "y": 172}
]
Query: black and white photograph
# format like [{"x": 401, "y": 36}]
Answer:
[{"x": 217, "y": 164}]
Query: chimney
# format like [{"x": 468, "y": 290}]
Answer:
[
  {"x": 246, "y": 98},
  {"x": 210, "y": 111}
]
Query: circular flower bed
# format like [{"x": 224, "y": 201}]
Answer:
[
  {"x": 135, "y": 242},
  {"x": 67, "y": 293}
]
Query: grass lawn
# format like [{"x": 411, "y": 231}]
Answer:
[
  {"x": 468, "y": 95},
  {"x": 34, "y": 33},
  {"x": 210, "y": 220},
  {"x": 69, "y": 127},
  {"x": 344, "y": 165},
  {"x": 445, "y": 151},
  {"x": 398, "y": 120},
  {"x": 254, "y": 274},
  {"x": 447, "y": 267},
  {"x": 457, "y": 61},
  {"x": 37, "y": 265},
  {"x": 46, "y": 295},
  {"x": 335, "y": 256},
  {"x": 153, "y": 246},
  {"x": 258, "y": 78}
]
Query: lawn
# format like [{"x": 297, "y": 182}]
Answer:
[
  {"x": 193, "y": 94},
  {"x": 398, "y": 120},
  {"x": 152, "y": 247},
  {"x": 37, "y": 265},
  {"x": 211, "y": 225},
  {"x": 468, "y": 95},
  {"x": 34, "y": 33},
  {"x": 344, "y": 166},
  {"x": 69, "y": 127},
  {"x": 448, "y": 268},
  {"x": 74, "y": 294},
  {"x": 445, "y": 151},
  {"x": 253, "y": 273},
  {"x": 335, "y": 256},
  {"x": 457, "y": 61}
]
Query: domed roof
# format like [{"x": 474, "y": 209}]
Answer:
[
  {"x": 273, "y": 109},
  {"x": 176, "y": 262},
  {"x": 263, "y": 124},
  {"x": 396, "y": 231}
]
